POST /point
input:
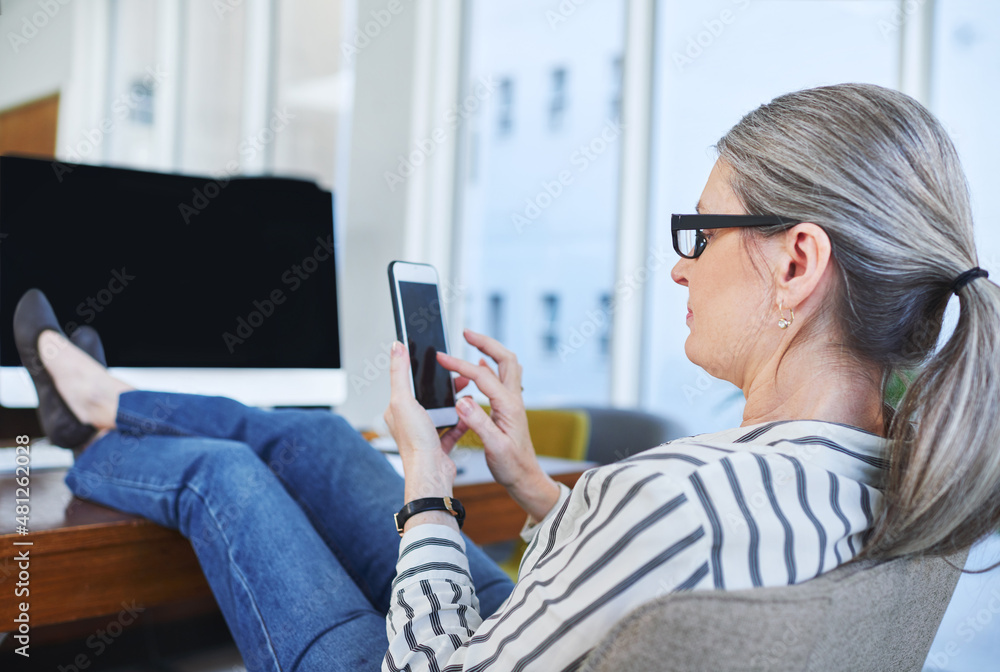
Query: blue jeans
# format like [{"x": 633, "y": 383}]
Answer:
[{"x": 289, "y": 513}]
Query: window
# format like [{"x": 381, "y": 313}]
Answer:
[
  {"x": 496, "y": 317},
  {"x": 505, "y": 118},
  {"x": 550, "y": 317},
  {"x": 310, "y": 92},
  {"x": 716, "y": 61},
  {"x": 616, "y": 87},
  {"x": 537, "y": 209},
  {"x": 190, "y": 113},
  {"x": 141, "y": 92},
  {"x": 605, "y": 309},
  {"x": 210, "y": 107},
  {"x": 135, "y": 81},
  {"x": 557, "y": 106}
]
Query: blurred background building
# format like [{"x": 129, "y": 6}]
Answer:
[
  {"x": 520, "y": 104},
  {"x": 533, "y": 150}
]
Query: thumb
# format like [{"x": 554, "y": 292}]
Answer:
[
  {"x": 479, "y": 421},
  {"x": 399, "y": 373}
]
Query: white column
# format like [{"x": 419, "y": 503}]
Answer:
[
  {"x": 436, "y": 77},
  {"x": 258, "y": 78},
  {"x": 916, "y": 37},
  {"x": 633, "y": 194},
  {"x": 83, "y": 102},
  {"x": 166, "y": 98},
  {"x": 431, "y": 191}
]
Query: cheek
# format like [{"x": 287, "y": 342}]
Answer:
[
  {"x": 727, "y": 319},
  {"x": 721, "y": 305}
]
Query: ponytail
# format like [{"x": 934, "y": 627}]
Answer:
[{"x": 942, "y": 492}]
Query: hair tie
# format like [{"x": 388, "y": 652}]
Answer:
[{"x": 967, "y": 277}]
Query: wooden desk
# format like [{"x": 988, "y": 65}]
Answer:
[{"x": 87, "y": 559}]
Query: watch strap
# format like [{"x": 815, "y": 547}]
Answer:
[{"x": 410, "y": 509}]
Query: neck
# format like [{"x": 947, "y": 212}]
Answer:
[{"x": 810, "y": 386}]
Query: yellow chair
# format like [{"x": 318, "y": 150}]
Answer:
[{"x": 554, "y": 433}]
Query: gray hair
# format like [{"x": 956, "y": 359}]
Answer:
[{"x": 876, "y": 170}]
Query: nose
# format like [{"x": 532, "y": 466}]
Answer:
[{"x": 679, "y": 272}]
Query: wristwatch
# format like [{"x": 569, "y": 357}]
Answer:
[{"x": 452, "y": 506}]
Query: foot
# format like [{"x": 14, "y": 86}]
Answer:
[
  {"x": 89, "y": 391},
  {"x": 34, "y": 317}
]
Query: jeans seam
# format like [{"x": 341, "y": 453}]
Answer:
[
  {"x": 127, "y": 483},
  {"x": 238, "y": 572},
  {"x": 234, "y": 566},
  {"x": 134, "y": 420}
]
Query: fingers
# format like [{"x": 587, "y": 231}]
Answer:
[
  {"x": 451, "y": 437},
  {"x": 510, "y": 369},
  {"x": 475, "y": 418},
  {"x": 483, "y": 376},
  {"x": 461, "y": 383}
]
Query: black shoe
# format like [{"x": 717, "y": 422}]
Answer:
[
  {"x": 86, "y": 339},
  {"x": 32, "y": 316}
]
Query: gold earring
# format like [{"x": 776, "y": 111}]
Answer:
[{"x": 782, "y": 322}]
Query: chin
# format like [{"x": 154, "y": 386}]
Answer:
[
  {"x": 710, "y": 367},
  {"x": 691, "y": 351}
]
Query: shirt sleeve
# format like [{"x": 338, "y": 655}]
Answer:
[
  {"x": 530, "y": 529},
  {"x": 434, "y": 609},
  {"x": 594, "y": 562}
]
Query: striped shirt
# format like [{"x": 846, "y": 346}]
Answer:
[{"x": 765, "y": 505}]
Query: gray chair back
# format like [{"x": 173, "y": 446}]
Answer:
[
  {"x": 617, "y": 433},
  {"x": 861, "y": 616}
]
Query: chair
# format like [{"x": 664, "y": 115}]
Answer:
[
  {"x": 596, "y": 433},
  {"x": 617, "y": 433},
  {"x": 559, "y": 433},
  {"x": 861, "y": 616},
  {"x": 554, "y": 433}
]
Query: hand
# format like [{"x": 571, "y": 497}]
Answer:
[
  {"x": 509, "y": 452},
  {"x": 430, "y": 472}
]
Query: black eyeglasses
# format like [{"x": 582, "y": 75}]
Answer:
[{"x": 687, "y": 230}]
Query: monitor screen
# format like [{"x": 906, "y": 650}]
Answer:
[{"x": 173, "y": 271}]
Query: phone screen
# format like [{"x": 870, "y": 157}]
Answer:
[{"x": 424, "y": 339}]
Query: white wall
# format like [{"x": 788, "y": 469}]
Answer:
[{"x": 34, "y": 62}]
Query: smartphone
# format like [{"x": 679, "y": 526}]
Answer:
[{"x": 417, "y": 307}]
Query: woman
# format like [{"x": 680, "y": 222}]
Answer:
[{"x": 859, "y": 231}]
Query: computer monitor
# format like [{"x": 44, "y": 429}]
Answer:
[{"x": 195, "y": 284}]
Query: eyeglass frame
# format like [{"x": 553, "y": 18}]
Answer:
[{"x": 700, "y": 222}]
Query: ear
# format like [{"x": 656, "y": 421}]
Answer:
[{"x": 803, "y": 261}]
